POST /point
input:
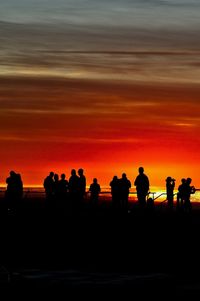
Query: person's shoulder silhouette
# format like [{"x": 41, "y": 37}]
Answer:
[
  {"x": 142, "y": 180},
  {"x": 125, "y": 182},
  {"x": 48, "y": 180},
  {"x": 73, "y": 181},
  {"x": 114, "y": 184},
  {"x": 95, "y": 187},
  {"x": 82, "y": 179}
]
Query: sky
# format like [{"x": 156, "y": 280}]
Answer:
[{"x": 104, "y": 85}]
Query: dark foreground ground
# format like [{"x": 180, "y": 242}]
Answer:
[{"x": 145, "y": 254}]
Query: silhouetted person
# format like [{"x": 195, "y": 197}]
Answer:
[
  {"x": 74, "y": 189},
  {"x": 14, "y": 191},
  {"x": 181, "y": 193},
  {"x": 63, "y": 188},
  {"x": 10, "y": 191},
  {"x": 170, "y": 184},
  {"x": 188, "y": 191},
  {"x": 56, "y": 187},
  {"x": 49, "y": 186},
  {"x": 19, "y": 186},
  {"x": 124, "y": 186},
  {"x": 82, "y": 184},
  {"x": 10, "y": 181},
  {"x": 142, "y": 186},
  {"x": 95, "y": 189},
  {"x": 115, "y": 192}
]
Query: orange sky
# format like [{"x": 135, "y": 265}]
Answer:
[
  {"x": 106, "y": 127},
  {"x": 103, "y": 85}
]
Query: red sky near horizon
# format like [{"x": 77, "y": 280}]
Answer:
[
  {"x": 105, "y": 127},
  {"x": 109, "y": 97}
]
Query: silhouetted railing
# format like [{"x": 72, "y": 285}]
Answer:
[
  {"x": 162, "y": 194},
  {"x": 41, "y": 192}
]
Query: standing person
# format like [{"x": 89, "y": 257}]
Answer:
[
  {"x": 82, "y": 184},
  {"x": 124, "y": 185},
  {"x": 188, "y": 191},
  {"x": 49, "y": 186},
  {"x": 19, "y": 190},
  {"x": 11, "y": 187},
  {"x": 115, "y": 191},
  {"x": 142, "y": 187},
  {"x": 181, "y": 194},
  {"x": 56, "y": 187},
  {"x": 63, "y": 187},
  {"x": 170, "y": 184},
  {"x": 95, "y": 189},
  {"x": 74, "y": 190},
  {"x": 14, "y": 191}
]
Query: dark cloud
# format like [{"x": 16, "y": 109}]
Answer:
[{"x": 100, "y": 51}]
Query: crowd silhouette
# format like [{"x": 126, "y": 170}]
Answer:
[{"x": 72, "y": 193}]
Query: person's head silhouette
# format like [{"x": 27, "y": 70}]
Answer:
[
  {"x": 141, "y": 170},
  {"x": 123, "y": 176},
  {"x": 80, "y": 171},
  {"x": 168, "y": 180},
  {"x": 73, "y": 172},
  {"x": 51, "y": 174},
  {"x": 95, "y": 180},
  {"x": 62, "y": 176},
  {"x": 56, "y": 177},
  {"x": 12, "y": 173}
]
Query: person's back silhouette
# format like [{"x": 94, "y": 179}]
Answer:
[
  {"x": 82, "y": 184},
  {"x": 56, "y": 186},
  {"x": 74, "y": 189},
  {"x": 95, "y": 189},
  {"x": 49, "y": 186},
  {"x": 181, "y": 194},
  {"x": 142, "y": 186},
  {"x": 115, "y": 192},
  {"x": 10, "y": 181},
  {"x": 188, "y": 191},
  {"x": 14, "y": 191},
  {"x": 19, "y": 185},
  {"x": 124, "y": 185},
  {"x": 170, "y": 184},
  {"x": 63, "y": 187}
]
